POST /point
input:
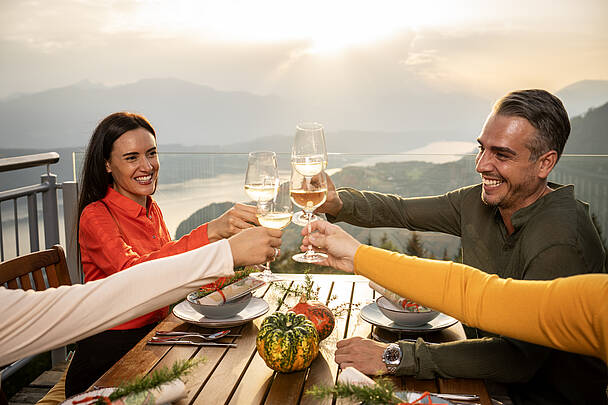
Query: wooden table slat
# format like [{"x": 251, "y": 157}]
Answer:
[
  {"x": 464, "y": 386},
  {"x": 208, "y": 383},
  {"x": 142, "y": 358},
  {"x": 291, "y": 385},
  {"x": 256, "y": 379},
  {"x": 228, "y": 371}
]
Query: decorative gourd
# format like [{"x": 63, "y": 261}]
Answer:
[
  {"x": 318, "y": 314},
  {"x": 287, "y": 342}
]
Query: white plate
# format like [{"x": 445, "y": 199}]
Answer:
[
  {"x": 372, "y": 314},
  {"x": 79, "y": 397},
  {"x": 256, "y": 308}
]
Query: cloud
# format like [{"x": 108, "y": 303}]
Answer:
[
  {"x": 486, "y": 48},
  {"x": 492, "y": 61}
]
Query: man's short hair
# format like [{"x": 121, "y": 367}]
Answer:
[{"x": 545, "y": 112}]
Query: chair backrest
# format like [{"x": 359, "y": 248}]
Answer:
[
  {"x": 15, "y": 273},
  {"x": 26, "y": 272}
]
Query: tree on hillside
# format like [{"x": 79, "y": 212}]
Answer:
[
  {"x": 600, "y": 232},
  {"x": 386, "y": 244},
  {"x": 458, "y": 257},
  {"x": 414, "y": 247}
]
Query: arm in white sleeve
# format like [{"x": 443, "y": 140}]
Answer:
[{"x": 37, "y": 321}]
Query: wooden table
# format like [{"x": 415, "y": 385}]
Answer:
[{"x": 240, "y": 376}]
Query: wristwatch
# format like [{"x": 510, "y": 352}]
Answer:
[{"x": 392, "y": 357}]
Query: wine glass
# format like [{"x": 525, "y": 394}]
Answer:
[
  {"x": 308, "y": 157},
  {"x": 308, "y": 193},
  {"x": 261, "y": 176},
  {"x": 275, "y": 214}
]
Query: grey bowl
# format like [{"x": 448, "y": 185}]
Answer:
[
  {"x": 405, "y": 318},
  {"x": 220, "y": 311}
]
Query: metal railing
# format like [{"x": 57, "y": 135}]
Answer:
[{"x": 49, "y": 226}]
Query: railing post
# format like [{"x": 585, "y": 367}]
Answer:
[
  {"x": 32, "y": 215},
  {"x": 51, "y": 235},
  {"x": 49, "y": 210},
  {"x": 70, "y": 219}
]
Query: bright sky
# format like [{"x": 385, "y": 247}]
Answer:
[{"x": 485, "y": 47}]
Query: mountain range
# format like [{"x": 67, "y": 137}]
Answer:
[
  {"x": 204, "y": 119},
  {"x": 588, "y": 136},
  {"x": 579, "y": 97}
]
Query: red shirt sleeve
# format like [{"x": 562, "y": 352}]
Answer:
[{"x": 104, "y": 248}]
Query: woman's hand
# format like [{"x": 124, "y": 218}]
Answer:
[
  {"x": 231, "y": 222},
  {"x": 333, "y": 240},
  {"x": 255, "y": 245}
]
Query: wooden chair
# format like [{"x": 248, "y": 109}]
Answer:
[{"x": 15, "y": 274}]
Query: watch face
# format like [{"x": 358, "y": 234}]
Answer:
[{"x": 392, "y": 355}]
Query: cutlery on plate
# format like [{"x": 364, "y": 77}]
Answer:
[
  {"x": 189, "y": 343},
  {"x": 178, "y": 335},
  {"x": 458, "y": 397}
]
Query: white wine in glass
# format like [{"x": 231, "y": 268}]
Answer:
[
  {"x": 261, "y": 176},
  {"x": 276, "y": 214},
  {"x": 308, "y": 193},
  {"x": 308, "y": 157}
]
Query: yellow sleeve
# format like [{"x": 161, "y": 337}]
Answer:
[{"x": 569, "y": 314}]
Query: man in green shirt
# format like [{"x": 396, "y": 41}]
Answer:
[{"x": 514, "y": 224}]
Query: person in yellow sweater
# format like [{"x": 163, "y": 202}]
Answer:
[{"x": 569, "y": 314}]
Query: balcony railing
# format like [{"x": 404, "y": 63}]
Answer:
[
  {"x": 189, "y": 182},
  {"x": 18, "y": 200}
]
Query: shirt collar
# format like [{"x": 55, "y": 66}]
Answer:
[
  {"x": 125, "y": 204},
  {"x": 559, "y": 193}
]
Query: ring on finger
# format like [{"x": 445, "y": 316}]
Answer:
[{"x": 276, "y": 252}]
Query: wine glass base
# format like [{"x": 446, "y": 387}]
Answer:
[
  {"x": 314, "y": 257},
  {"x": 267, "y": 276},
  {"x": 299, "y": 218}
]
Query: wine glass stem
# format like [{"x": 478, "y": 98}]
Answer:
[{"x": 308, "y": 216}]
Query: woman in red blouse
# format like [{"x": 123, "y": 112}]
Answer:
[{"x": 121, "y": 225}]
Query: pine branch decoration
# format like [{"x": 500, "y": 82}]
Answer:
[
  {"x": 311, "y": 292},
  {"x": 307, "y": 289},
  {"x": 381, "y": 393},
  {"x": 153, "y": 380}
]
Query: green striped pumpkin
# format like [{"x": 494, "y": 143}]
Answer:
[{"x": 287, "y": 342}]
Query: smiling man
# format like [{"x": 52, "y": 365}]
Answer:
[{"x": 514, "y": 224}]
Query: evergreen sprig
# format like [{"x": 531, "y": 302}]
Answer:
[
  {"x": 340, "y": 309},
  {"x": 311, "y": 292},
  {"x": 153, "y": 380},
  {"x": 383, "y": 392},
  {"x": 306, "y": 289}
]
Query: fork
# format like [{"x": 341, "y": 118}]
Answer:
[{"x": 178, "y": 335}]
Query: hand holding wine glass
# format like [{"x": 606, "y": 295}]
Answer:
[
  {"x": 275, "y": 214},
  {"x": 308, "y": 193}
]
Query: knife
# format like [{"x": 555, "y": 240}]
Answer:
[{"x": 189, "y": 343}]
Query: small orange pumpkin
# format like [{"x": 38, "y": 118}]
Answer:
[{"x": 318, "y": 314}]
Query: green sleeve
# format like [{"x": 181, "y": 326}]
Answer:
[
  {"x": 493, "y": 358},
  {"x": 372, "y": 210}
]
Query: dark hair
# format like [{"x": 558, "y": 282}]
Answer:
[
  {"x": 94, "y": 178},
  {"x": 545, "y": 112}
]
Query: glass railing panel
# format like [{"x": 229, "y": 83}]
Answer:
[{"x": 194, "y": 188}]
